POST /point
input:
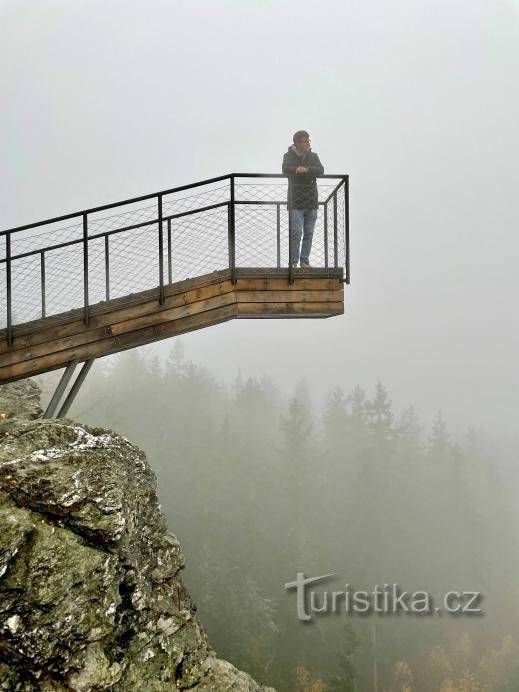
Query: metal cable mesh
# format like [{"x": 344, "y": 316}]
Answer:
[
  {"x": 261, "y": 191},
  {"x": 341, "y": 226},
  {"x": 317, "y": 257},
  {"x": 64, "y": 279},
  {"x": 49, "y": 235},
  {"x": 199, "y": 244},
  {"x": 96, "y": 271},
  {"x": 3, "y": 294},
  {"x": 134, "y": 261},
  {"x": 256, "y": 223},
  {"x": 256, "y": 235},
  {"x": 276, "y": 191},
  {"x": 131, "y": 217},
  {"x": 179, "y": 203},
  {"x": 26, "y": 289},
  {"x": 123, "y": 261}
]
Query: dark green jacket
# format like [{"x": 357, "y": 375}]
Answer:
[{"x": 303, "y": 185}]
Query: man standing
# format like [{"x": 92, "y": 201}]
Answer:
[{"x": 303, "y": 166}]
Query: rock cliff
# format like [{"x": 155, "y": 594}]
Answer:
[{"x": 91, "y": 596}]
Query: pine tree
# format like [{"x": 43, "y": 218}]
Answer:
[
  {"x": 439, "y": 441},
  {"x": 359, "y": 404},
  {"x": 380, "y": 415},
  {"x": 409, "y": 426}
]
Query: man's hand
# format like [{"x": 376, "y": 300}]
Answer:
[{"x": 302, "y": 169}]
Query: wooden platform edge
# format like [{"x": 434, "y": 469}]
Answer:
[{"x": 139, "y": 319}]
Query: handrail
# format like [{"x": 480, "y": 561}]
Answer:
[{"x": 153, "y": 195}]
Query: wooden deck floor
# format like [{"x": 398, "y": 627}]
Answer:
[{"x": 137, "y": 319}]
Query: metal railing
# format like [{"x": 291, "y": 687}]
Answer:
[{"x": 235, "y": 220}]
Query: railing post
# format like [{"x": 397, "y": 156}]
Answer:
[
  {"x": 278, "y": 234},
  {"x": 326, "y": 234},
  {"x": 335, "y": 243},
  {"x": 347, "y": 225},
  {"x": 107, "y": 268},
  {"x": 161, "y": 253},
  {"x": 86, "y": 316},
  {"x": 232, "y": 233},
  {"x": 42, "y": 272},
  {"x": 9, "y": 290},
  {"x": 290, "y": 242},
  {"x": 170, "y": 273}
]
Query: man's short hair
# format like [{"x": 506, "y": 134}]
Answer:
[{"x": 299, "y": 135}]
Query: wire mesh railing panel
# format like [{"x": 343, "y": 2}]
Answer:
[
  {"x": 3, "y": 295},
  {"x": 134, "y": 261},
  {"x": 197, "y": 198},
  {"x": 97, "y": 271},
  {"x": 50, "y": 235},
  {"x": 199, "y": 244},
  {"x": 257, "y": 242},
  {"x": 256, "y": 235},
  {"x": 64, "y": 283},
  {"x": 341, "y": 227},
  {"x": 261, "y": 191},
  {"x": 284, "y": 225},
  {"x": 129, "y": 215},
  {"x": 26, "y": 289},
  {"x": 318, "y": 255},
  {"x": 325, "y": 188},
  {"x": 328, "y": 233}
]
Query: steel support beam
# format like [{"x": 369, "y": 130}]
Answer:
[
  {"x": 60, "y": 389},
  {"x": 75, "y": 388}
]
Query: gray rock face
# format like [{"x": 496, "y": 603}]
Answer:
[{"x": 91, "y": 596}]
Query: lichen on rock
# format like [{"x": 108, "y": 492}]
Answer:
[{"x": 91, "y": 596}]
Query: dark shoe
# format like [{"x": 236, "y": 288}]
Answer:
[
  {"x": 305, "y": 264},
  {"x": 292, "y": 264}
]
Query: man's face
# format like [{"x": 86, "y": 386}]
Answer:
[{"x": 303, "y": 144}]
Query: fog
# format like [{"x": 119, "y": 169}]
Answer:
[{"x": 417, "y": 101}]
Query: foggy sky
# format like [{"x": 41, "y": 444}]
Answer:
[{"x": 418, "y": 101}]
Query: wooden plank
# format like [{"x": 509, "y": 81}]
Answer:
[
  {"x": 324, "y": 284},
  {"x": 90, "y": 335},
  {"x": 150, "y": 307},
  {"x": 22, "y": 354},
  {"x": 151, "y": 333},
  {"x": 156, "y": 316},
  {"x": 288, "y": 296},
  {"x": 138, "y": 318},
  {"x": 323, "y": 309},
  {"x": 174, "y": 313},
  {"x": 71, "y": 323},
  {"x": 51, "y": 332},
  {"x": 104, "y": 307},
  {"x": 180, "y": 287},
  {"x": 273, "y": 272},
  {"x": 116, "y": 343}
]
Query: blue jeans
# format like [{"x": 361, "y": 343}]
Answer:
[{"x": 303, "y": 224}]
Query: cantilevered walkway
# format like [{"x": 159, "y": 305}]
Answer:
[{"x": 89, "y": 284}]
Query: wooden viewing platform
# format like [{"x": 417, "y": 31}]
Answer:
[
  {"x": 116, "y": 325},
  {"x": 96, "y": 282}
]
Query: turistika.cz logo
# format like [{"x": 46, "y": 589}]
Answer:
[{"x": 388, "y": 599}]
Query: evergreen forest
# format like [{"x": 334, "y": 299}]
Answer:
[{"x": 259, "y": 485}]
